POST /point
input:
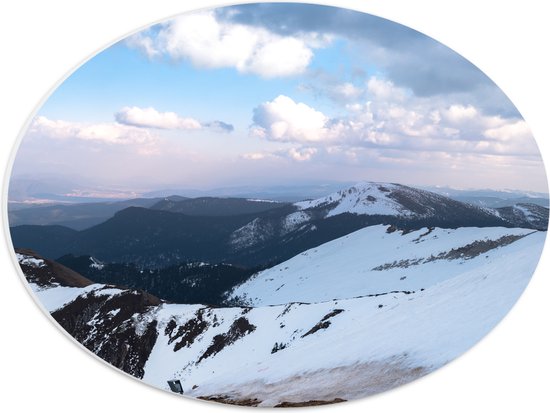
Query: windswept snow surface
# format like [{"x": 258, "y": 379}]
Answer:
[
  {"x": 373, "y": 261},
  {"x": 345, "y": 346},
  {"x": 57, "y": 297},
  {"x": 410, "y": 333}
]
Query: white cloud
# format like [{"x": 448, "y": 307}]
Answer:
[
  {"x": 207, "y": 42},
  {"x": 256, "y": 156},
  {"x": 299, "y": 154},
  {"x": 284, "y": 56},
  {"x": 346, "y": 91},
  {"x": 282, "y": 119},
  {"x": 144, "y": 43},
  {"x": 518, "y": 130},
  {"x": 393, "y": 118},
  {"x": 219, "y": 126},
  {"x": 133, "y": 126},
  {"x": 151, "y": 118},
  {"x": 110, "y": 133},
  {"x": 384, "y": 90},
  {"x": 324, "y": 84},
  {"x": 302, "y": 154},
  {"x": 457, "y": 114}
]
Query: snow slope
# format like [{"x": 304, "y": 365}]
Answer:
[
  {"x": 370, "y": 198},
  {"x": 339, "y": 348},
  {"x": 375, "y": 261},
  {"x": 372, "y": 339},
  {"x": 390, "y": 199},
  {"x": 59, "y": 296}
]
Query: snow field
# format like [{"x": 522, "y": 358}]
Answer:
[{"x": 330, "y": 339}]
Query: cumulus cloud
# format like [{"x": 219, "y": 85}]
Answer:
[
  {"x": 385, "y": 90},
  {"x": 393, "y": 118},
  {"x": 151, "y": 118},
  {"x": 334, "y": 89},
  {"x": 509, "y": 131},
  {"x": 409, "y": 58},
  {"x": 132, "y": 126},
  {"x": 145, "y": 43},
  {"x": 458, "y": 114},
  {"x": 302, "y": 154},
  {"x": 219, "y": 126},
  {"x": 349, "y": 93},
  {"x": 273, "y": 40},
  {"x": 299, "y": 154},
  {"x": 209, "y": 42},
  {"x": 282, "y": 119},
  {"x": 106, "y": 132},
  {"x": 346, "y": 91},
  {"x": 256, "y": 156}
]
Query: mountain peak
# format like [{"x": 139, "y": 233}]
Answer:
[
  {"x": 368, "y": 198},
  {"x": 401, "y": 202}
]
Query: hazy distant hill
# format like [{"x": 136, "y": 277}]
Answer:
[
  {"x": 211, "y": 206},
  {"x": 281, "y": 193},
  {"x": 492, "y": 198},
  {"x": 75, "y": 216},
  {"x": 153, "y": 238}
]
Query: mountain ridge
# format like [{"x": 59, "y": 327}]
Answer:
[{"x": 153, "y": 238}]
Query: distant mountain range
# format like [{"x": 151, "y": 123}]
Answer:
[
  {"x": 492, "y": 198},
  {"x": 209, "y": 206},
  {"x": 53, "y": 190},
  {"x": 85, "y": 215},
  {"x": 76, "y": 214},
  {"x": 251, "y": 233}
]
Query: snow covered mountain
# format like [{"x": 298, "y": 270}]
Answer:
[
  {"x": 522, "y": 213},
  {"x": 373, "y": 198},
  {"x": 371, "y": 203},
  {"x": 401, "y": 304},
  {"x": 388, "y": 199},
  {"x": 153, "y": 238},
  {"x": 361, "y": 205},
  {"x": 376, "y": 260}
]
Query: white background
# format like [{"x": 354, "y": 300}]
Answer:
[{"x": 40, "y": 368}]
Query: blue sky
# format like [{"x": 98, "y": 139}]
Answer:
[
  {"x": 121, "y": 74},
  {"x": 280, "y": 94}
]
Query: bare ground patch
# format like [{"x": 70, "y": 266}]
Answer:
[
  {"x": 228, "y": 400},
  {"x": 321, "y": 386},
  {"x": 466, "y": 252},
  {"x": 309, "y": 403}
]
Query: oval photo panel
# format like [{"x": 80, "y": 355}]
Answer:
[{"x": 277, "y": 205}]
